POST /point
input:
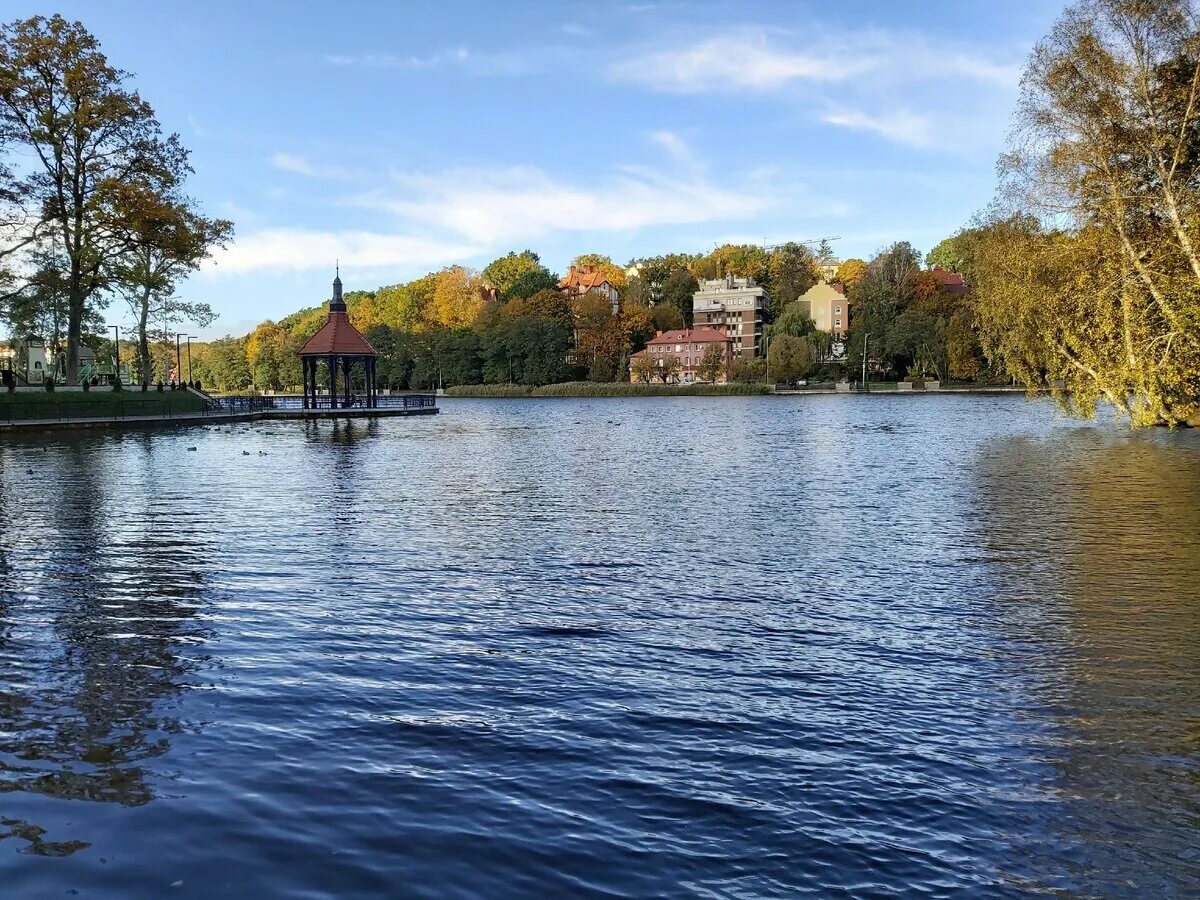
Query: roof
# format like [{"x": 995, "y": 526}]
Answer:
[
  {"x": 951, "y": 281},
  {"x": 693, "y": 335},
  {"x": 584, "y": 278},
  {"x": 338, "y": 336}
]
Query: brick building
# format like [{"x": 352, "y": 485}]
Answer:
[{"x": 688, "y": 346}]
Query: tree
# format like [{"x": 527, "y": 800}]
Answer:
[
  {"x": 455, "y": 300},
  {"x": 794, "y": 321},
  {"x": 643, "y": 369},
  {"x": 851, "y": 272},
  {"x": 1090, "y": 279},
  {"x": 679, "y": 290},
  {"x": 789, "y": 359},
  {"x": 792, "y": 271},
  {"x": 918, "y": 340},
  {"x": 668, "y": 368},
  {"x": 712, "y": 363},
  {"x": 742, "y": 260},
  {"x": 748, "y": 370},
  {"x": 93, "y": 146},
  {"x": 666, "y": 317},
  {"x": 518, "y": 275},
  {"x": 170, "y": 240}
]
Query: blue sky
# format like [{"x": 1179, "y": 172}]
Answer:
[{"x": 403, "y": 137}]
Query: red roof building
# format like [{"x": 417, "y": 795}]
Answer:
[
  {"x": 341, "y": 346},
  {"x": 951, "y": 282},
  {"x": 687, "y": 345},
  {"x": 582, "y": 280}
]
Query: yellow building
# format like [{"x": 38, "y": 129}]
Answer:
[{"x": 828, "y": 307}]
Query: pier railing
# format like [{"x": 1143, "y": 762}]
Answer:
[{"x": 292, "y": 402}]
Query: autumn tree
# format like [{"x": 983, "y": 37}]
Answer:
[
  {"x": 1089, "y": 282},
  {"x": 456, "y": 299},
  {"x": 642, "y": 369},
  {"x": 168, "y": 240},
  {"x": 91, "y": 143}
]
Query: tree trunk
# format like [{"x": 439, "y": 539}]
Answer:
[
  {"x": 74, "y": 333},
  {"x": 143, "y": 340}
]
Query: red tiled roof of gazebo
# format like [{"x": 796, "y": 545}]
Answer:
[{"x": 338, "y": 336}]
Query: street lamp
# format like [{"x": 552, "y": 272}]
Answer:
[
  {"x": 190, "y": 338},
  {"x": 117, "y": 351},
  {"x": 865, "y": 336}
]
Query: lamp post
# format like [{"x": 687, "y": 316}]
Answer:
[
  {"x": 865, "y": 337},
  {"x": 190, "y": 338},
  {"x": 116, "y": 352},
  {"x": 178, "y": 358}
]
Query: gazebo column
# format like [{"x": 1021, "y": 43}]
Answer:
[
  {"x": 346, "y": 365},
  {"x": 333, "y": 367}
]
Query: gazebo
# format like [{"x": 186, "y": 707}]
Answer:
[{"x": 341, "y": 345}]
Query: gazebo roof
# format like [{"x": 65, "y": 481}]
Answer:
[{"x": 338, "y": 336}]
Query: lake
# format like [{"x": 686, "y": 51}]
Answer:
[{"x": 721, "y": 647}]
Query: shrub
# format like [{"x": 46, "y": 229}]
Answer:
[
  {"x": 160, "y": 387},
  {"x": 49, "y": 385},
  {"x": 86, "y": 384},
  {"x": 117, "y": 386}
]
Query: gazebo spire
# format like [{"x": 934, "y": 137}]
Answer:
[{"x": 337, "y": 304}]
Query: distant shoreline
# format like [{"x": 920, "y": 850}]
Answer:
[{"x": 588, "y": 389}]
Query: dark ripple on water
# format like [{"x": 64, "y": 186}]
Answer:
[{"x": 738, "y": 647}]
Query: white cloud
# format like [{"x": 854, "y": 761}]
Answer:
[
  {"x": 452, "y": 57},
  {"x": 281, "y": 249},
  {"x": 743, "y": 60},
  {"x": 298, "y": 165},
  {"x": 764, "y": 60},
  {"x": 901, "y": 126},
  {"x": 499, "y": 207}
]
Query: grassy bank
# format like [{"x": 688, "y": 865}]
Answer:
[
  {"x": 96, "y": 403},
  {"x": 607, "y": 389}
]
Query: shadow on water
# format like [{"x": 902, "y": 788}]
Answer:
[
  {"x": 99, "y": 621},
  {"x": 1096, "y": 538}
]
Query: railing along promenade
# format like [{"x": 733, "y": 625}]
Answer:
[{"x": 266, "y": 403}]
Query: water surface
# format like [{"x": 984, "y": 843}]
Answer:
[{"x": 726, "y": 647}]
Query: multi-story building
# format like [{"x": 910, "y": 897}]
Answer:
[
  {"x": 582, "y": 280},
  {"x": 829, "y": 269},
  {"x": 688, "y": 346},
  {"x": 827, "y": 306},
  {"x": 736, "y": 307}
]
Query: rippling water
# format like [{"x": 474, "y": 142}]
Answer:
[{"x": 731, "y": 647}]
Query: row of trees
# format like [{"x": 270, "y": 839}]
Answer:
[{"x": 92, "y": 199}]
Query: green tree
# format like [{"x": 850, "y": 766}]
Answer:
[
  {"x": 792, "y": 271},
  {"x": 712, "y": 363},
  {"x": 794, "y": 321},
  {"x": 678, "y": 290},
  {"x": 789, "y": 359},
  {"x": 518, "y": 275}
]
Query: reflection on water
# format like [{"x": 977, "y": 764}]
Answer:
[
  {"x": 1101, "y": 535},
  {"x": 102, "y": 586},
  {"x": 736, "y": 647}
]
